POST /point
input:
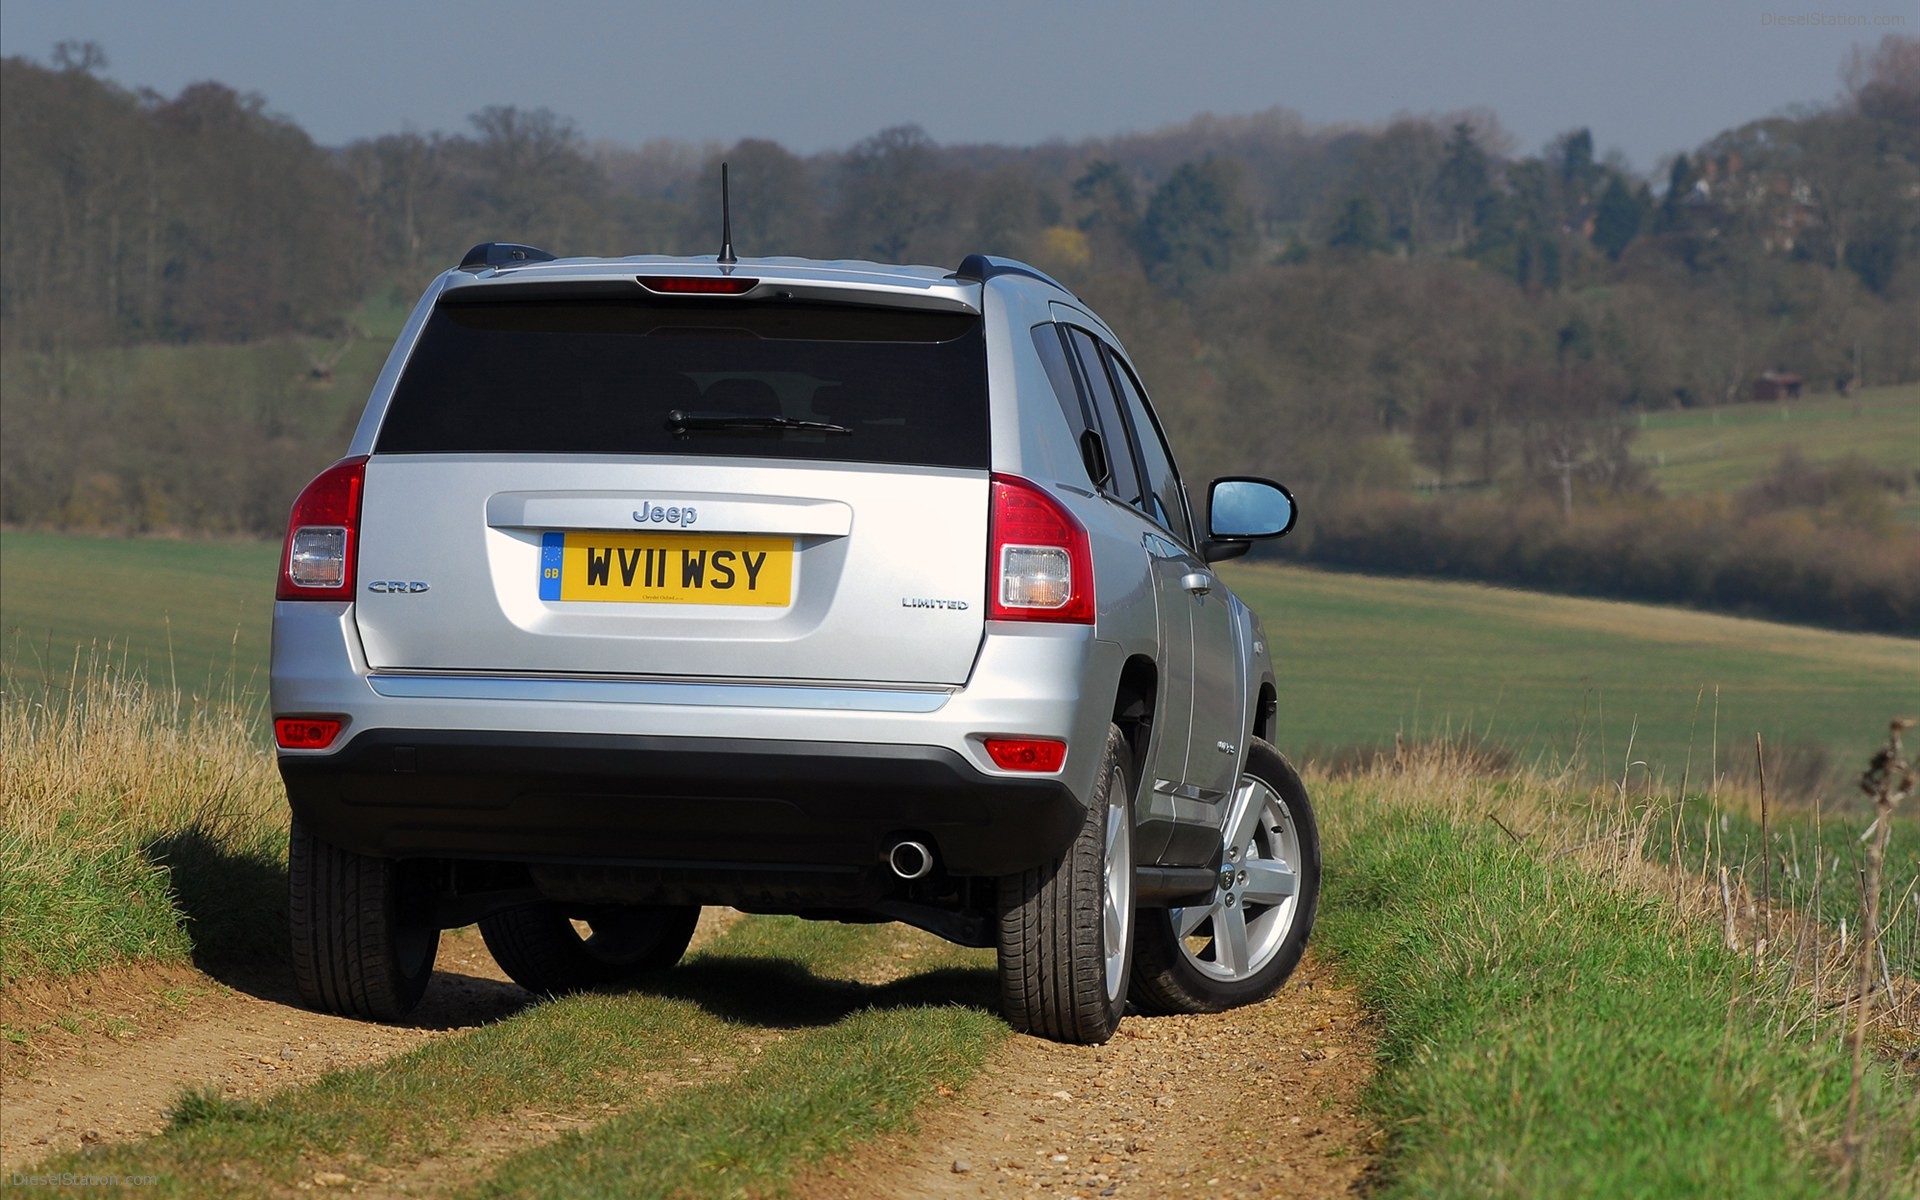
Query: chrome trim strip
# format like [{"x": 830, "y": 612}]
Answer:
[{"x": 623, "y": 691}]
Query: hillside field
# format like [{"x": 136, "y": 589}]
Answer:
[
  {"x": 1360, "y": 657},
  {"x": 196, "y": 613},
  {"x": 1695, "y": 451},
  {"x": 1721, "y": 451}
]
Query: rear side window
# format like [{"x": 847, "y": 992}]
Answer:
[
  {"x": 1053, "y": 356},
  {"x": 544, "y": 376},
  {"x": 1166, "y": 502},
  {"x": 1125, "y": 481}
]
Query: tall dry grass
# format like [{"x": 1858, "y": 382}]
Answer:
[{"x": 136, "y": 822}]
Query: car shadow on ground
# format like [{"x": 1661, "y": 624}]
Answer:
[
  {"x": 234, "y": 900},
  {"x": 458, "y": 1001},
  {"x": 235, "y": 906},
  {"x": 454, "y": 999},
  {"x": 777, "y": 993}
]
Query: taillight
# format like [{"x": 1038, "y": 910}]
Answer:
[
  {"x": 305, "y": 733},
  {"x": 1040, "y": 563},
  {"x": 317, "y": 562},
  {"x": 1027, "y": 754},
  {"x": 698, "y": 285}
]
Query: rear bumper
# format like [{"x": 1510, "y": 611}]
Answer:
[{"x": 674, "y": 803}]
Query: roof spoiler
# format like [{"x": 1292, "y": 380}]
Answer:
[
  {"x": 502, "y": 254},
  {"x": 978, "y": 268}
]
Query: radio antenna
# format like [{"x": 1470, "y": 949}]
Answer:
[{"x": 727, "y": 256}]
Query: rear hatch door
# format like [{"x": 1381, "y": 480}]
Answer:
[{"x": 696, "y": 487}]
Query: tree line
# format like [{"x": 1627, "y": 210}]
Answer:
[
  {"x": 1349, "y": 308},
  {"x": 1809, "y": 544}
]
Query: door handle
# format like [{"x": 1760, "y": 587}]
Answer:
[{"x": 1199, "y": 583}]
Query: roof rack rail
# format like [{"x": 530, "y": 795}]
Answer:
[
  {"x": 979, "y": 268},
  {"x": 502, "y": 254}
]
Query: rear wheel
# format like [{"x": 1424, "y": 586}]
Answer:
[
  {"x": 1239, "y": 945},
  {"x": 1066, "y": 928},
  {"x": 363, "y": 934},
  {"x": 541, "y": 948}
]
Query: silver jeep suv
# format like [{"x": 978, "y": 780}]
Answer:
[{"x": 851, "y": 591}]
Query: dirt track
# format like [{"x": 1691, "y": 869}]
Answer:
[
  {"x": 1260, "y": 1101},
  {"x": 146, "y": 1034}
]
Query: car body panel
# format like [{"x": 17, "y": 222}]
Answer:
[
  {"x": 885, "y": 654},
  {"x": 887, "y": 580}
]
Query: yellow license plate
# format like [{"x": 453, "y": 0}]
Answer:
[{"x": 667, "y": 568}]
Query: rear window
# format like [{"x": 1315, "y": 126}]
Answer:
[{"x": 694, "y": 378}]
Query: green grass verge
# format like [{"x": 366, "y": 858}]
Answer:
[
  {"x": 1695, "y": 451},
  {"x": 70, "y": 908},
  {"x": 805, "y": 1099},
  {"x": 1548, "y": 1033},
  {"x": 141, "y": 815},
  {"x": 1359, "y": 657},
  {"x": 135, "y": 823},
  {"x": 754, "y": 1058}
]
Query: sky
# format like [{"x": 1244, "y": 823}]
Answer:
[{"x": 1649, "y": 77}]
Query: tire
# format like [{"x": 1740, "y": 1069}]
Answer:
[
  {"x": 1066, "y": 928},
  {"x": 1240, "y": 946},
  {"x": 363, "y": 942},
  {"x": 540, "y": 949}
]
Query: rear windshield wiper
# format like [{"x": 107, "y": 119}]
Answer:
[{"x": 686, "y": 422}]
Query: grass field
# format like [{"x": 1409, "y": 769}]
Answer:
[
  {"x": 1360, "y": 657},
  {"x": 190, "y": 612},
  {"x": 1695, "y": 451}
]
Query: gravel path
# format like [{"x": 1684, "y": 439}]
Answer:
[{"x": 1261, "y": 1101}]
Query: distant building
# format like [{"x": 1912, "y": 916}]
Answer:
[{"x": 1777, "y": 385}]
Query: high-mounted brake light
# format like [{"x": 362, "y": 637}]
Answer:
[
  {"x": 698, "y": 285},
  {"x": 306, "y": 733},
  {"x": 317, "y": 562},
  {"x": 1039, "y": 562},
  {"x": 1044, "y": 755}
]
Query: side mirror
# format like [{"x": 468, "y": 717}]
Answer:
[{"x": 1242, "y": 510}]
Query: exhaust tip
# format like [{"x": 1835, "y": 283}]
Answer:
[{"x": 910, "y": 860}]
